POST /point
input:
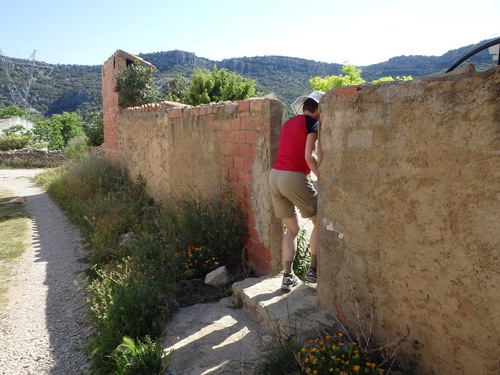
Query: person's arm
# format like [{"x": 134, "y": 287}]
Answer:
[{"x": 310, "y": 154}]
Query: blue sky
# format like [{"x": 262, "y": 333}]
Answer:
[{"x": 361, "y": 32}]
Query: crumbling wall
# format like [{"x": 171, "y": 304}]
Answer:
[{"x": 410, "y": 217}]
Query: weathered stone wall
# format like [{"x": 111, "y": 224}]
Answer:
[
  {"x": 199, "y": 150},
  {"x": 410, "y": 217},
  {"x": 33, "y": 157}
]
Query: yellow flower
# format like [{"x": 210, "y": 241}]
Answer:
[
  {"x": 303, "y": 350},
  {"x": 340, "y": 335}
]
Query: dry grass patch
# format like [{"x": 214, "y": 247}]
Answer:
[{"x": 14, "y": 229}]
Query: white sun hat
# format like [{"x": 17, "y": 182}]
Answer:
[{"x": 299, "y": 102}]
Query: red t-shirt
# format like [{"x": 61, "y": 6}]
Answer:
[{"x": 292, "y": 147}]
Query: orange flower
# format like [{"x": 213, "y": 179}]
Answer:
[{"x": 356, "y": 368}]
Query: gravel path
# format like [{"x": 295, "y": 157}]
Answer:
[{"x": 43, "y": 325}]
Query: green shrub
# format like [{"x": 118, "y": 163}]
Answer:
[
  {"x": 197, "y": 261},
  {"x": 14, "y": 142},
  {"x": 302, "y": 259},
  {"x": 135, "y": 86},
  {"x": 123, "y": 302},
  {"x": 93, "y": 127},
  {"x": 76, "y": 148},
  {"x": 135, "y": 357},
  {"x": 105, "y": 232},
  {"x": 214, "y": 224},
  {"x": 279, "y": 357}
]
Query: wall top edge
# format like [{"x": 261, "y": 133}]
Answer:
[{"x": 168, "y": 105}]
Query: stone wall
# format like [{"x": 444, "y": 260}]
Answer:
[
  {"x": 32, "y": 157},
  {"x": 199, "y": 151},
  {"x": 410, "y": 217}
]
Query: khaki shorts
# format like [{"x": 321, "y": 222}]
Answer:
[{"x": 290, "y": 190}]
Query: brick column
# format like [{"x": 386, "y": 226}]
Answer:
[{"x": 119, "y": 61}]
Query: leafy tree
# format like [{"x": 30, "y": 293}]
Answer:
[
  {"x": 218, "y": 85},
  {"x": 135, "y": 86},
  {"x": 93, "y": 127},
  {"x": 12, "y": 111},
  {"x": 58, "y": 130},
  {"x": 177, "y": 89},
  {"x": 46, "y": 133},
  {"x": 352, "y": 77}
]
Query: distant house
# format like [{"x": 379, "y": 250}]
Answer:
[{"x": 7, "y": 122}]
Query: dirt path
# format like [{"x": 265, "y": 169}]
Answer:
[{"x": 43, "y": 325}]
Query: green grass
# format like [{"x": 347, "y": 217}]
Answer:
[{"x": 14, "y": 226}]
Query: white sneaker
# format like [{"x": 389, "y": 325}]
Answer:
[
  {"x": 289, "y": 282},
  {"x": 311, "y": 276}
]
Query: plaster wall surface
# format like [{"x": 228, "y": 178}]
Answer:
[{"x": 409, "y": 212}]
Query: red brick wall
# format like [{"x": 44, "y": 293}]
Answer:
[
  {"x": 110, "y": 108},
  {"x": 239, "y": 149}
]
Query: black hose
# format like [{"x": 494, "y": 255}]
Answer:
[{"x": 478, "y": 49}]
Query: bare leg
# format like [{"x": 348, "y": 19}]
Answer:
[
  {"x": 290, "y": 238},
  {"x": 314, "y": 235}
]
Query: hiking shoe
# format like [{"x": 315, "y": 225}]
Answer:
[
  {"x": 311, "y": 276},
  {"x": 289, "y": 282}
]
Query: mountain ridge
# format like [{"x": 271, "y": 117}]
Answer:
[{"x": 56, "y": 88}]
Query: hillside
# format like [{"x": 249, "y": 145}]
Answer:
[{"x": 58, "y": 88}]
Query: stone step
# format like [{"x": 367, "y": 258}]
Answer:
[{"x": 294, "y": 312}]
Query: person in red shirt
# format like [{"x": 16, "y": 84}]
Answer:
[{"x": 292, "y": 186}]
